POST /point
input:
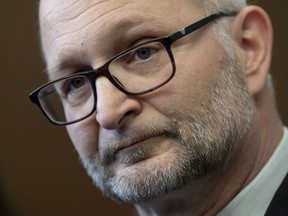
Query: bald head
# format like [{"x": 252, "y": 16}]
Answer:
[{"x": 212, "y": 6}]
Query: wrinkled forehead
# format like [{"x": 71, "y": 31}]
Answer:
[
  {"x": 67, "y": 24},
  {"x": 53, "y": 12}
]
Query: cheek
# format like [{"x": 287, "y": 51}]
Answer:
[
  {"x": 194, "y": 80},
  {"x": 84, "y": 136},
  {"x": 190, "y": 89}
]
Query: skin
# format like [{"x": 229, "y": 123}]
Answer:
[{"x": 79, "y": 36}]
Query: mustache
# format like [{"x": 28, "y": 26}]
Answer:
[{"x": 124, "y": 139}]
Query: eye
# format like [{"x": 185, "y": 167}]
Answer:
[
  {"x": 73, "y": 85},
  {"x": 76, "y": 83},
  {"x": 139, "y": 57},
  {"x": 143, "y": 53}
]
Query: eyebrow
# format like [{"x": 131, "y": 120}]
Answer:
[{"x": 64, "y": 68}]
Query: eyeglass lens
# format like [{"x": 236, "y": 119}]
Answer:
[{"x": 142, "y": 68}]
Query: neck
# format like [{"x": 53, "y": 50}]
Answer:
[{"x": 210, "y": 194}]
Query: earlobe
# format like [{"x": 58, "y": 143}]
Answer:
[{"x": 253, "y": 32}]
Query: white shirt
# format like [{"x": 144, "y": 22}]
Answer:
[{"x": 256, "y": 197}]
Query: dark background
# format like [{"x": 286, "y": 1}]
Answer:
[{"x": 39, "y": 169}]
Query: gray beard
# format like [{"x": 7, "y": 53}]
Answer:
[{"x": 203, "y": 142}]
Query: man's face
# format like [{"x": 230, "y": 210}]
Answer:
[{"x": 138, "y": 148}]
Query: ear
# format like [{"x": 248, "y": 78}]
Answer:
[{"x": 252, "y": 30}]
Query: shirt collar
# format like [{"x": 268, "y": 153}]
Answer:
[{"x": 255, "y": 198}]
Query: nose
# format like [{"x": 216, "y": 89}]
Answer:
[{"x": 114, "y": 107}]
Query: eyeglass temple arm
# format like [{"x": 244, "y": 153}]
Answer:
[{"x": 193, "y": 27}]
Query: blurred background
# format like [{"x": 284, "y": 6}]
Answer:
[{"x": 39, "y": 170}]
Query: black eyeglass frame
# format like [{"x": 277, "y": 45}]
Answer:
[{"x": 166, "y": 41}]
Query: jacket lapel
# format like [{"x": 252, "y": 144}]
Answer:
[{"x": 279, "y": 203}]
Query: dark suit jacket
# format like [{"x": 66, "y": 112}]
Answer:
[{"x": 279, "y": 203}]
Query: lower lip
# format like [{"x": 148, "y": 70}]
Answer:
[
  {"x": 133, "y": 154},
  {"x": 142, "y": 151}
]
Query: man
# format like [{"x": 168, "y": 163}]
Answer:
[{"x": 178, "y": 119}]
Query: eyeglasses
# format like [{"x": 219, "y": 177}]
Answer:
[{"x": 135, "y": 71}]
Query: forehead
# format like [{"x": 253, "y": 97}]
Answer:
[
  {"x": 65, "y": 7},
  {"x": 68, "y": 24},
  {"x": 55, "y": 14}
]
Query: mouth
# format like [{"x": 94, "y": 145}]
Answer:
[
  {"x": 137, "y": 151},
  {"x": 131, "y": 154}
]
